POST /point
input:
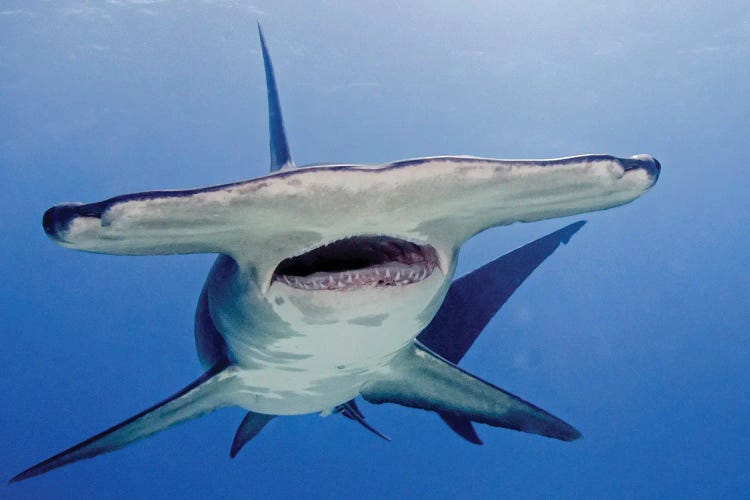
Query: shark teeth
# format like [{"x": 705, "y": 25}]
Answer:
[
  {"x": 372, "y": 260},
  {"x": 390, "y": 274}
]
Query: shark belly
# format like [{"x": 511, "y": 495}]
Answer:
[{"x": 299, "y": 352}]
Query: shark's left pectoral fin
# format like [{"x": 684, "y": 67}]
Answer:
[
  {"x": 419, "y": 378},
  {"x": 206, "y": 394}
]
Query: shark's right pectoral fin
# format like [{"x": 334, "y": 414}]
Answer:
[
  {"x": 207, "y": 393},
  {"x": 419, "y": 378}
]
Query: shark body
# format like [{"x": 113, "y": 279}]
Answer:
[{"x": 336, "y": 281}]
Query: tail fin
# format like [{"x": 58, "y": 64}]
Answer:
[
  {"x": 418, "y": 378},
  {"x": 206, "y": 394}
]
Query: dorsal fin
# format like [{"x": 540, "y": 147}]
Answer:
[{"x": 280, "y": 155}]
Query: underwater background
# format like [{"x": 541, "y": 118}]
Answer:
[{"x": 636, "y": 332}]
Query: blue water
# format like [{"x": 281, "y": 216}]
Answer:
[{"x": 636, "y": 332}]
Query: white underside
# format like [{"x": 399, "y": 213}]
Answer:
[{"x": 304, "y": 351}]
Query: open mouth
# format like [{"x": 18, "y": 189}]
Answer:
[{"x": 359, "y": 261}]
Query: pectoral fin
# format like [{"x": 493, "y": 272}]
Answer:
[
  {"x": 206, "y": 394},
  {"x": 473, "y": 300},
  {"x": 418, "y": 378}
]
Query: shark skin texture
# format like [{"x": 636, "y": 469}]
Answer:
[{"x": 305, "y": 310}]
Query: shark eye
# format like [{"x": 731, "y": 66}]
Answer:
[{"x": 358, "y": 261}]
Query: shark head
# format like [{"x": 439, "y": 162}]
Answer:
[{"x": 350, "y": 245}]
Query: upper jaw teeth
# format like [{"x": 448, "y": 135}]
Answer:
[{"x": 391, "y": 274}]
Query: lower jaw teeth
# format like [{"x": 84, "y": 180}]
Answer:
[{"x": 394, "y": 274}]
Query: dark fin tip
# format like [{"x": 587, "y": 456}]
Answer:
[
  {"x": 250, "y": 427},
  {"x": 475, "y": 440},
  {"x": 18, "y": 478},
  {"x": 171, "y": 411},
  {"x": 568, "y": 231},
  {"x": 564, "y": 432},
  {"x": 279, "y": 147},
  {"x": 461, "y": 426},
  {"x": 235, "y": 448},
  {"x": 574, "y": 436}
]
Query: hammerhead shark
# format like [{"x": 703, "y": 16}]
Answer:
[{"x": 335, "y": 282}]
